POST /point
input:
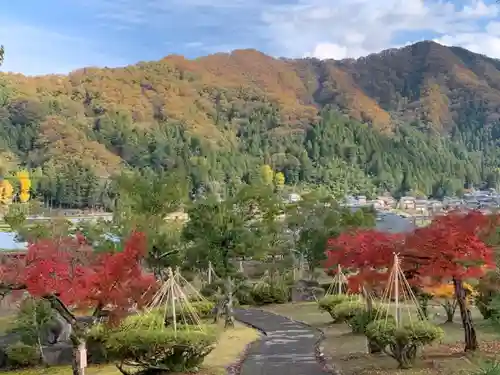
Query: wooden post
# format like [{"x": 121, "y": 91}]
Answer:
[
  {"x": 396, "y": 289},
  {"x": 82, "y": 358}
]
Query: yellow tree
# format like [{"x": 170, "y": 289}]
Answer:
[
  {"x": 6, "y": 194},
  {"x": 25, "y": 186},
  {"x": 266, "y": 174},
  {"x": 279, "y": 180},
  {"x": 444, "y": 294}
]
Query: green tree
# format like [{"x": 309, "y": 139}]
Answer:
[
  {"x": 220, "y": 231},
  {"x": 146, "y": 202},
  {"x": 316, "y": 218}
]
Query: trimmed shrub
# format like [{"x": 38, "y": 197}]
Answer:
[
  {"x": 160, "y": 349},
  {"x": 183, "y": 314},
  {"x": 402, "y": 343},
  {"x": 328, "y": 304},
  {"x": 362, "y": 318},
  {"x": 346, "y": 310},
  {"x": 264, "y": 293},
  {"x": 21, "y": 355}
]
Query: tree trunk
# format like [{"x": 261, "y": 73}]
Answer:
[
  {"x": 450, "y": 307},
  {"x": 469, "y": 331},
  {"x": 372, "y": 347}
]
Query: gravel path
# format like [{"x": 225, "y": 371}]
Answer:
[{"x": 288, "y": 347}]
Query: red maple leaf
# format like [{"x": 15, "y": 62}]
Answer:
[
  {"x": 70, "y": 269},
  {"x": 365, "y": 255}
]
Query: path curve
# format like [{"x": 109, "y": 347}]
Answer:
[{"x": 287, "y": 348}]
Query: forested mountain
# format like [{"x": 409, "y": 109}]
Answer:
[{"x": 422, "y": 118}]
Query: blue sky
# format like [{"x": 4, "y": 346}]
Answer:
[{"x": 58, "y": 36}]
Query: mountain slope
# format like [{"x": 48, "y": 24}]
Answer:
[{"x": 222, "y": 116}]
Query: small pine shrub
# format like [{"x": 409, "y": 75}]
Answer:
[
  {"x": 345, "y": 311},
  {"x": 362, "y": 318},
  {"x": 402, "y": 342},
  {"x": 20, "y": 355},
  {"x": 328, "y": 304},
  {"x": 161, "y": 349},
  {"x": 264, "y": 293}
]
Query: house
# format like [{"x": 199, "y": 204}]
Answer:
[
  {"x": 387, "y": 200},
  {"x": 422, "y": 206},
  {"x": 361, "y": 199},
  {"x": 407, "y": 203},
  {"x": 293, "y": 198}
]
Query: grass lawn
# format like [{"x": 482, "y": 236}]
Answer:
[
  {"x": 231, "y": 344},
  {"x": 348, "y": 351}
]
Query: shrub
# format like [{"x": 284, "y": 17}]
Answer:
[
  {"x": 264, "y": 293},
  {"x": 184, "y": 313},
  {"x": 328, "y": 304},
  {"x": 402, "y": 343},
  {"x": 241, "y": 292},
  {"x": 32, "y": 320},
  {"x": 487, "y": 289},
  {"x": 22, "y": 355},
  {"x": 488, "y": 367},
  {"x": 160, "y": 349},
  {"x": 362, "y": 318},
  {"x": 347, "y": 310}
]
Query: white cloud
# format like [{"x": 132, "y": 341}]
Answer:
[
  {"x": 476, "y": 42},
  {"x": 353, "y": 28},
  {"x": 291, "y": 28}
]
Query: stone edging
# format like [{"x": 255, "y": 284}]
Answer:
[
  {"x": 321, "y": 357},
  {"x": 235, "y": 367}
]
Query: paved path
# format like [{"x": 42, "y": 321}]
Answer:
[{"x": 288, "y": 347}]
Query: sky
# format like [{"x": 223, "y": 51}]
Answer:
[{"x": 58, "y": 36}]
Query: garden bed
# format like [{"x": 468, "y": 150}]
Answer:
[
  {"x": 231, "y": 344},
  {"x": 348, "y": 353}
]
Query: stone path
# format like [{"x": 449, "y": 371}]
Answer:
[{"x": 288, "y": 347}]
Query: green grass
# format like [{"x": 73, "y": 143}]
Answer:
[{"x": 348, "y": 351}]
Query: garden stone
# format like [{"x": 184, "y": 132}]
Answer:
[
  {"x": 58, "y": 354},
  {"x": 306, "y": 291},
  {"x": 5, "y": 341}
]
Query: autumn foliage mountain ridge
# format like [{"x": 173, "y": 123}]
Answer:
[
  {"x": 99, "y": 116},
  {"x": 425, "y": 81}
]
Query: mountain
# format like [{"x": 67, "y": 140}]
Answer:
[{"x": 423, "y": 118}]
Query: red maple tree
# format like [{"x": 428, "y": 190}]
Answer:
[
  {"x": 364, "y": 255},
  {"x": 69, "y": 274},
  {"x": 449, "y": 249}
]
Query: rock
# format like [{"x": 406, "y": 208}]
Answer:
[{"x": 306, "y": 291}]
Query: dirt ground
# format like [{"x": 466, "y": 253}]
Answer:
[{"x": 348, "y": 352}]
